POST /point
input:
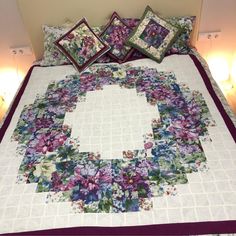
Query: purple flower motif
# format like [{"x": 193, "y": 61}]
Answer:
[
  {"x": 43, "y": 122},
  {"x": 154, "y": 34},
  {"x": 88, "y": 41},
  {"x": 46, "y": 142},
  {"x": 181, "y": 129},
  {"x": 189, "y": 148},
  {"x": 56, "y": 110},
  {"x": 70, "y": 36},
  {"x": 55, "y": 54},
  {"x": 131, "y": 22}
]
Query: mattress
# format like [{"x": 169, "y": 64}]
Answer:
[{"x": 135, "y": 148}]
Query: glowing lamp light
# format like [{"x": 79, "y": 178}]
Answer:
[
  {"x": 10, "y": 81},
  {"x": 219, "y": 68},
  {"x": 233, "y": 71}
]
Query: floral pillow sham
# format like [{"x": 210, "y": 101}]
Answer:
[
  {"x": 115, "y": 34},
  {"x": 153, "y": 36},
  {"x": 81, "y": 45},
  {"x": 52, "y": 56},
  {"x": 182, "y": 43}
]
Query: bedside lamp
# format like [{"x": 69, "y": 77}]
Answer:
[
  {"x": 233, "y": 71},
  {"x": 219, "y": 68},
  {"x": 10, "y": 81},
  {"x": 1, "y": 100}
]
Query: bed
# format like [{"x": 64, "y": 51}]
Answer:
[{"x": 137, "y": 147}]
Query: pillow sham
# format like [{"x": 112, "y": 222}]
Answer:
[
  {"x": 52, "y": 56},
  {"x": 182, "y": 43},
  {"x": 81, "y": 45},
  {"x": 115, "y": 34},
  {"x": 153, "y": 36}
]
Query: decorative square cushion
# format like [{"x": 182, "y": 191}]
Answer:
[
  {"x": 115, "y": 34},
  {"x": 182, "y": 43},
  {"x": 81, "y": 45},
  {"x": 52, "y": 55},
  {"x": 153, "y": 36}
]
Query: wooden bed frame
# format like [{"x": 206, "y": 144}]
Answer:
[{"x": 56, "y": 12}]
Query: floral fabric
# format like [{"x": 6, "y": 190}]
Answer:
[
  {"x": 132, "y": 23},
  {"x": 153, "y": 36},
  {"x": 115, "y": 34},
  {"x": 182, "y": 42},
  {"x": 81, "y": 45},
  {"x": 52, "y": 159},
  {"x": 52, "y": 56}
]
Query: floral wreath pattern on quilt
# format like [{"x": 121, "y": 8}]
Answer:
[{"x": 51, "y": 158}]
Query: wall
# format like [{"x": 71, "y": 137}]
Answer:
[
  {"x": 219, "y": 15},
  {"x": 12, "y": 33}
]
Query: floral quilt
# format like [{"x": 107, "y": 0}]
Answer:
[{"x": 52, "y": 158}]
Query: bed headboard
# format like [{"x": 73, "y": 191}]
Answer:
[{"x": 35, "y": 13}]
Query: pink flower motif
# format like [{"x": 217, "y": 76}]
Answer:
[
  {"x": 84, "y": 52},
  {"x": 128, "y": 154},
  {"x": 89, "y": 41},
  {"x": 148, "y": 145},
  {"x": 70, "y": 36}
]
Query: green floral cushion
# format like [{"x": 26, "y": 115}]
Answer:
[
  {"x": 52, "y": 56},
  {"x": 81, "y": 45},
  {"x": 153, "y": 36},
  {"x": 182, "y": 43}
]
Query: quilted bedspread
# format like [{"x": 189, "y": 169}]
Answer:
[{"x": 126, "y": 145}]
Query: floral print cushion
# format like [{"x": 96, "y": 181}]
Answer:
[
  {"x": 81, "y": 45},
  {"x": 52, "y": 56},
  {"x": 182, "y": 43},
  {"x": 153, "y": 36},
  {"x": 115, "y": 34}
]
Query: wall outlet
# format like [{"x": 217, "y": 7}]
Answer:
[
  {"x": 211, "y": 35},
  {"x": 24, "y": 50}
]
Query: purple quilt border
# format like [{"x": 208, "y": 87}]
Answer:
[
  {"x": 216, "y": 227},
  {"x": 210, "y": 227}
]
